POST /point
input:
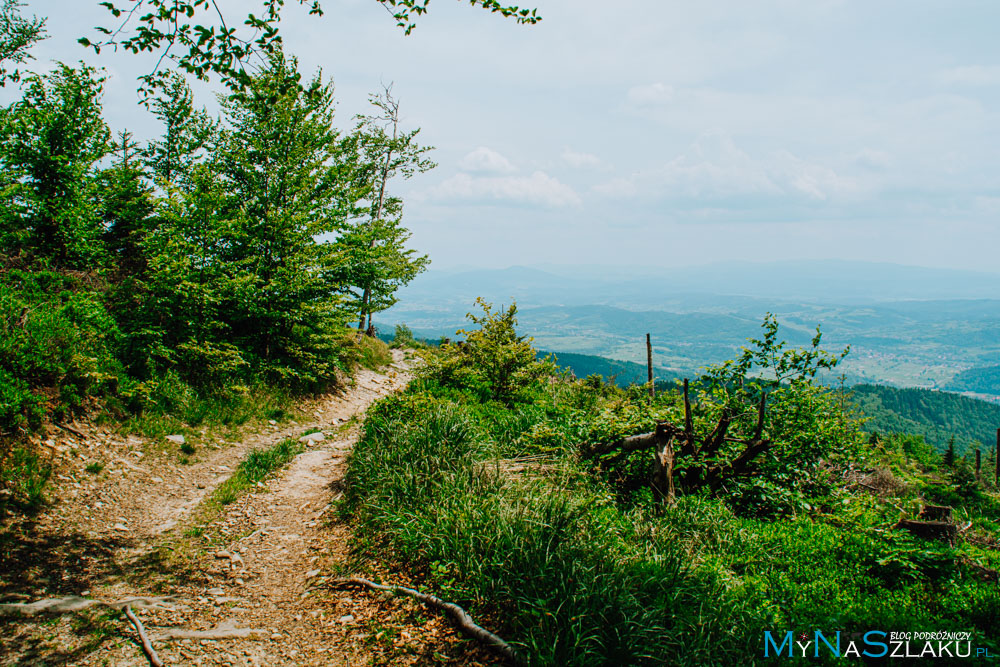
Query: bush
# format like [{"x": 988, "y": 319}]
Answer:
[
  {"x": 57, "y": 346},
  {"x": 493, "y": 360}
]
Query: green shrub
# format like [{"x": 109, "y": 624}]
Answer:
[
  {"x": 55, "y": 335},
  {"x": 493, "y": 360}
]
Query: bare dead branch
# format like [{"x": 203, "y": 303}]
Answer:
[{"x": 464, "y": 622}]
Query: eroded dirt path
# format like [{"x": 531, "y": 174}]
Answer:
[{"x": 246, "y": 584}]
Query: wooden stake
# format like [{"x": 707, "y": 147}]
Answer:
[
  {"x": 979, "y": 462},
  {"x": 649, "y": 367},
  {"x": 996, "y": 460}
]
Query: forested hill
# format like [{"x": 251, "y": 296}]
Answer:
[
  {"x": 982, "y": 380},
  {"x": 936, "y": 415},
  {"x": 623, "y": 373}
]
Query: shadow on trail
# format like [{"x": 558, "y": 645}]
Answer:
[{"x": 37, "y": 565}]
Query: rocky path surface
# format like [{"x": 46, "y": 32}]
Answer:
[{"x": 245, "y": 581}]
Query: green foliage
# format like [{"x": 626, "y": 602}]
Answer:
[
  {"x": 493, "y": 359},
  {"x": 23, "y": 474},
  {"x": 17, "y": 35},
  {"x": 487, "y": 504},
  {"x": 55, "y": 334},
  {"x": 983, "y": 380},
  {"x": 50, "y": 143},
  {"x": 280, "y": 301},
  {"x": 936, "y": 415},
  {"x": 196, "y": 279},
  {"x": 257, "y": 465},
  {"x": 221, "y": 49},
  {"x": 373, "y": 353},
  {"x": 374, "y": 259},
  {"x": 805, "y": 432},
  {"x": 187, "y": 132},
  {"x": 403, "y": 336}
]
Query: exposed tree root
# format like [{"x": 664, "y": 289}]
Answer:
[
  {"x": 76, "y": 603},
  {"x": 464, "y": 622},
  {"x": 147, "y": 647}
]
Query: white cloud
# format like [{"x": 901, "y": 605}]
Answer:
[
  {"x": 580, "y": 160},
  {"x": 617, "y": 188},
  {"x": 654, "y": 94},
  {"x": 971, "y": 75},
  {"x": 486, "y": 161},
  {"x": 539, "y": 189},
  {"x": 715, "y": 169},
  {"x": 873, "y": 159}
]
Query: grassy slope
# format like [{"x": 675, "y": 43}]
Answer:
[{"x": 577, "y": 574}]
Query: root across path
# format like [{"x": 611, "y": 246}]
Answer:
[{"x": 244, "y": 585}]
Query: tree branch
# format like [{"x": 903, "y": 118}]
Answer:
[{"x": 465, "y": 623}]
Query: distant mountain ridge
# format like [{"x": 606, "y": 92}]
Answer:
[{"x": 821, "y": 280}]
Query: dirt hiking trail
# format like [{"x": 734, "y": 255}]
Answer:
[{"x": 240, "y": 585}]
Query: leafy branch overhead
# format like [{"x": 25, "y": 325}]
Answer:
[{"x": 197, "y": 36}]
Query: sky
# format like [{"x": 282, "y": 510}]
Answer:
[{"x": 656, "y": 132}]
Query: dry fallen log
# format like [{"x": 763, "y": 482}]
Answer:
[
  {"x": 465, "y": 623},
  {"x": 676, "y": 448},
  {"x": 147, "y": 648}
]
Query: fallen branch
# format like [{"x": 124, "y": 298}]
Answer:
[
  {"x": 77, "y": 433},
  {"x": 147, "y": 648},
  {"x": 465, "y": 623}
]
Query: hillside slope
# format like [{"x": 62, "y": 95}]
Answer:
[{"x": 936, "y": 415}]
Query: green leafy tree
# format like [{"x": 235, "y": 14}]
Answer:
[
  {"x": 17, "y": 35},
  {"x": 50, "y": 143},
  {"x": 494, "y": 358},
  {"x": 376, "y": 259},
  {"x": 172, "y": 311},
  {"x": 187, "y": 132},
  {"x": 126, "y": 207},
  {"x": 278, "y": 159},
  {"x": 767, "y": 397},
  {"x": 949, "y": 454}
]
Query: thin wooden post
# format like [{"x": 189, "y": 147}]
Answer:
[
  {"x": 979, "y": 462},
  {"x": 649, "y": 367},
  {"x": 996, "y": 460}
]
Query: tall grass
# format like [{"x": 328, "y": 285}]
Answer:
[
  {"x": 575, "y": 581},
  {"x": 373, "y": 353},
  {"x": 572, "y": 573}
]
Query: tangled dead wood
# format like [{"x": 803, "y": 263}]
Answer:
[{"x": 672, "y": 444}]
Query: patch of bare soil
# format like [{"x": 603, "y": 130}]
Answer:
[{"x": 244, "y": 588}]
